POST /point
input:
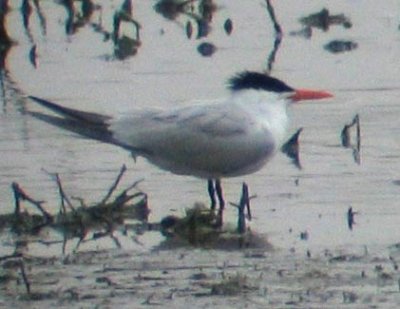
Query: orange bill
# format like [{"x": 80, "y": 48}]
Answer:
[{"x": 307, "y": 94}]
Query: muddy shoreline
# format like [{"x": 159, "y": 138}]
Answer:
[{"x": 173, "y": 278}]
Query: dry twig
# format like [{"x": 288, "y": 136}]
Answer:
[
  {"x": 114, "y": 185},
  {"x": 20, "y": 194}
]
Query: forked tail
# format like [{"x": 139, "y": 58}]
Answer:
[{"x": 90, "y": 125}]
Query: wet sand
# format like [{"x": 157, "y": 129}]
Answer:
[{"x": 276, "y": 278}]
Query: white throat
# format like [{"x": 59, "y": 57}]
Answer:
[{"x": 268, "y": 108}]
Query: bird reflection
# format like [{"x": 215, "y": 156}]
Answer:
[
  {"x": 200, "y": 13},
  {"x": 5, "y": 40},
  {"x": 42, "y": 19},
  {"x": 171, "y": 9},
  {"x": 125, "y": 46},
  {"x": 228, "y": 26},
  {"x": 6, "y": 44},
  {"x": 323, "y": 20},
  {"x": 33, "y": 56},
  {"x": 206, "y": 10},
  {"x": 77, "y": 18},
  {"x": 206, "y": 49},
  {"x": 26, "y": 11}
]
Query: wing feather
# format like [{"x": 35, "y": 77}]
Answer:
[{"x": 200, "y": 140}]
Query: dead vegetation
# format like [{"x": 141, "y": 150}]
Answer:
[
  {"x": 74, "y": 217},
  {"x": 77, "y": 220}
]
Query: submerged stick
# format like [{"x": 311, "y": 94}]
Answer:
[
  {"x": 243, "y": 204},
  {"x": 271, "y": 11},
  {"x": 350, "y": 218},
  {"x": 358, "y": 131},
  {"x": 15, "y": 188},
  {"x": 278, "y": 35},
  {"x": 25, "y": 277},
  {"x": 10, "y": 256},
  {"x": 345, "y": 136}
]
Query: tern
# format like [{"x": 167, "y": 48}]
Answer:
[{"x": 229, "y": 137}]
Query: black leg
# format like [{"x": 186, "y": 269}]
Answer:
[
  {"x": 220, "y": 195},
  {"x": 215, "y": 188},
  {"x": 211, "y": 193}
]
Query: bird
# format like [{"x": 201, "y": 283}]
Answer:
[{"x": 229, "y": 137}]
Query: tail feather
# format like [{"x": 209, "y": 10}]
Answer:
[
  {"x": 90, "y": 125},
  {"x": 92, "y": 131},
  {"x": 92, "y": 118}
]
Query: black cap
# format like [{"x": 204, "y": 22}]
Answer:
[{"x": 255, "y": 80}]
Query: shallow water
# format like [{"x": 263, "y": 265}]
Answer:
[{"x": 80, "y": 70}]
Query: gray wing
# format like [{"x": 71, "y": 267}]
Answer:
[
  {"x": 216, "y": 122},
  {"x": 201, "y": 140},
  {"x": 184, "y": 126}
]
